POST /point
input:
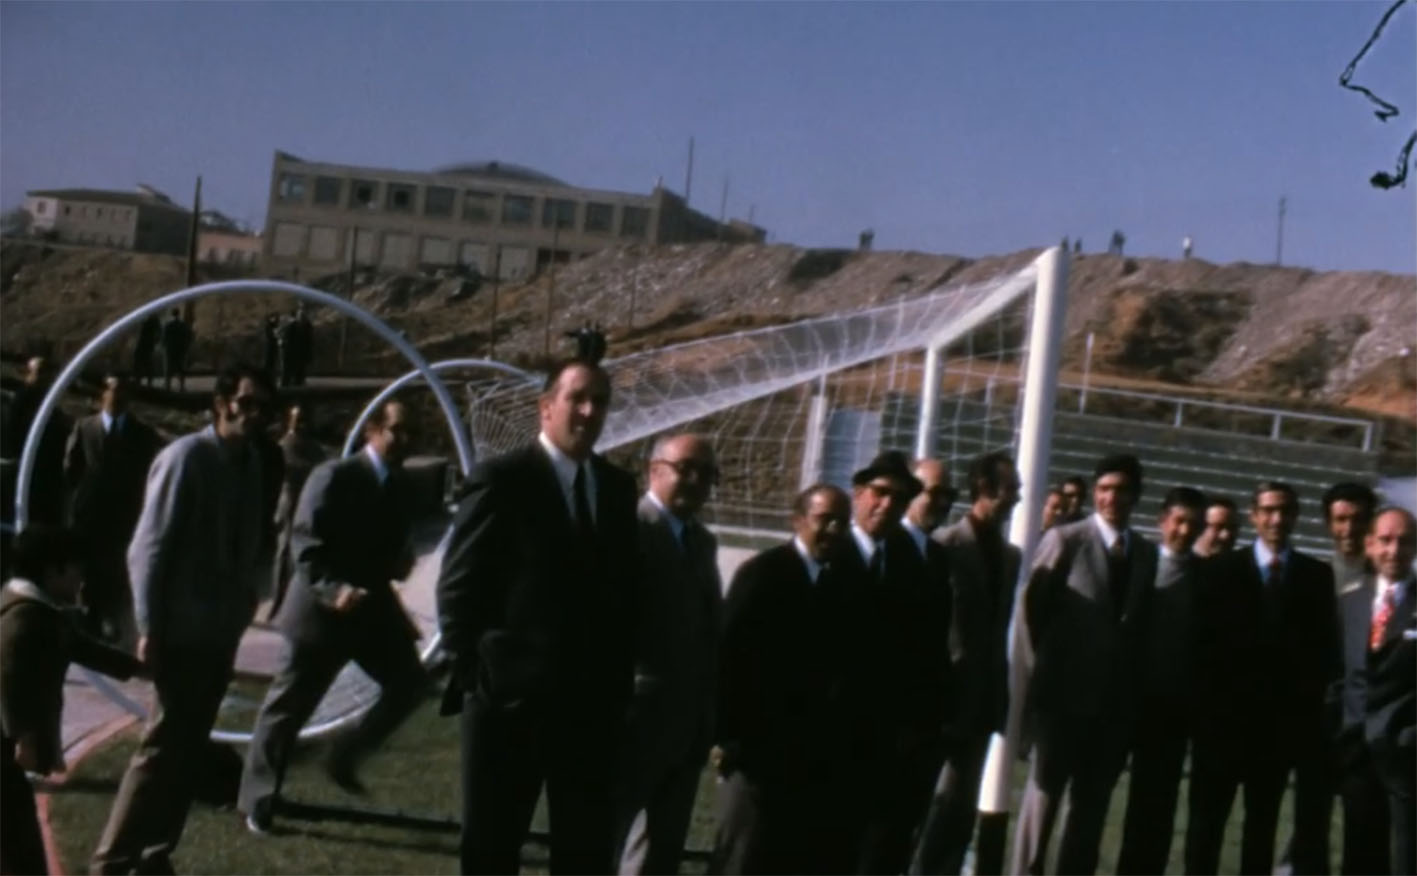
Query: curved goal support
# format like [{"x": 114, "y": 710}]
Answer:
[
  {"x": 159, "y": 305},
  {"x": 133, "y": 318},
  {"x": 351, "y": 440}
]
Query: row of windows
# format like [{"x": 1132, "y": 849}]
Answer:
[
  {"x": 469, "y": 205},
  {"x": 396, "y": 249},
  {"x": 114, "y": 214}
]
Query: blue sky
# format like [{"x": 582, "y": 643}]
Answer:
[{"x": 967, "y": 128}]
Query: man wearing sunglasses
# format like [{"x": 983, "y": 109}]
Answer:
[
  {"x": 194, "y": 563},
  {"x": 681, "y": 606}
]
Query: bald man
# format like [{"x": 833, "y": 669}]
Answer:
[{"x": 676, "y": 672}]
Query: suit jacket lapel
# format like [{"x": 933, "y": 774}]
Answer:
[{"x": 1401, "y": 614}]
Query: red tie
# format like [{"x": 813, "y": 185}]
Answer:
[{"x": 1386, "y": 606}]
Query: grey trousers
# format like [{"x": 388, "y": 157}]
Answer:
[
  {"x": 653, "y": 810},
  {"x": 305, "y": 672},
  {"x": 150, "y": 809}
]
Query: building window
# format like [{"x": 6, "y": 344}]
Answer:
[
  {"x": 634, "y": 222},
  {"x": 438, "y": 201},
  {"x": 558, "y": 213},
  {"x": 98, "y": 213},
  {"x": 289, "y": 239},
  {"x": 324, "y": 243},
  {"x": 327, "y": 190},
  {"x": 599, "y": 217},
  {"x": 291, "y": 187},
  {"x": 516, "y": 210},
  {"x": 402, "y": 197},
  {"x": 363, "y": 193},
  {"x": 436, "y": 251},
  {"x": 478, "y": 206},
  {"x": 39, "y": 208}
]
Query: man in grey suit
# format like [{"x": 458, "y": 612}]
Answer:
[
  {"x": 1081, "y": 616},
  {"x": 1165, "y": 700},
  {"x": 983, "y": 572},
  {"x": 195, "y": 566},
  {"x": 350, "y": 539},
  {"x": 671, "y": 716}
]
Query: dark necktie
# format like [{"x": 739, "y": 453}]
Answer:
[
  {"x": 1274, "y": 571},
  {"x": 1117, "y": 574},
  {"x": 878, "y": 562},
  {"x": 585, "y": 523}
]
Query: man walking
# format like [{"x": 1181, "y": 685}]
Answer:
[
  {"x": 176, "y": 344},
  {"x": 1082, "y": 617},
  {"x": 105, "y": 466},
  {"x": 671, "y": 717},
  {"x": 351, "y": 537},
  {"x": 536, "y": 603},
  {"x": 1267, "y": 653},
  {"x": 194, "y": 567},
  {"x": 983, "y": 570}
]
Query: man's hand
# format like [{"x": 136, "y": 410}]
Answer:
[
  {"x": 147, "y": 655},
  {"x": 27, "y": 754},
  {"x": 347, "y": 598}
]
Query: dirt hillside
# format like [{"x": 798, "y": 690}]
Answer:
[{"x": 1255, "y": 332}]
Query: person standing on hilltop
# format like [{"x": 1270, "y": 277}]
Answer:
[
  {"x": 176, "y": 343},
  {"x": 149, "y": 336}
]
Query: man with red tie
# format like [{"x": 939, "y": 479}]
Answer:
[{"x": 1378, "y": 692}]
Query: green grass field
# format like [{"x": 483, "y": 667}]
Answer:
[{"x": 416, "y": 773}]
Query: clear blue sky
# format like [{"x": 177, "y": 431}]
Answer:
[{"x": 968, "y": 128}]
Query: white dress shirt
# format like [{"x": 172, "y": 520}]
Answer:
[
  {"x": 1264, "y": 556},
  {"x": 814, "y": 568},
  {"x": 381, "y": 468},
  {"x": 917, "y": 534},
  {"x": 676, "y": 525},
  {"x": 864, "y": 543},
  {"x": 1109, "y": 533},
  {"x": 565, "y": 468}
]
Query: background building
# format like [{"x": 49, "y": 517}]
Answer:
[
  {"x": 500, "y": 218},
  {"x": 223, "y": 241},
  {"x": 145, "y": 220}
]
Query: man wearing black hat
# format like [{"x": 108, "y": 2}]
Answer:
[{"x": 904, "y": 616}]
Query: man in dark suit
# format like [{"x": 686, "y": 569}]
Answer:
[
  {"x": 536, "y": 603},
  {"x": 785, "y": 742},
  {"x": 1377, "y": 694},
  {"x": 1082, "y": 617},
  {"x": 671, "y": 718},
  {"x": 1266, "y": 651},
  {"x": 1164, "y": 706},
  {"x": 983, "y": 573},
  {"x": 904, "y": 604},
  {"x": 1222, "y": 525},
  {"x": 301, "y": 453},
  {"x": 350, "y": 539},
  {"x": 106, "y": 466},
  {"x": 46, "y": 498}
]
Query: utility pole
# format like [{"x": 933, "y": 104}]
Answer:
[
  {"x": 689, "y": 175},
  {"x": 1279, "y": 244},
  {"x": 192, "y": 246},
  {"x": 492, "y": 323},
  {"x": 551, "y": 286},
  {"x": 723, "y": 209}
]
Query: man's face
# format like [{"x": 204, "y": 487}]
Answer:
[
  {"x": 1113, "y": 496},
  {"x": 392, "y": 438},
  {"x": 244, "y": 414},
  {"x": 1273, "y": 516},
  {"x": 683, "y": 474},
  {"x": 37, "y": 371},
  {"x": 878, "y": 505},
  {"x": 1392, "y": 545},
  {"x": 931, "y": 505},
  {"x": 1220, "y": 529},
  {"x": 1000, "y": 504},
  {"x": 1052, "y": 509},
  {"x": 1348, "y": 524},
  {"x": 573, "y": 412},
  {"x": 1180, "y": 527},
  {"x": 821, "y": 528},
  {"x": 1072, "y": 499},
  {"x": 115, "y": 396}
]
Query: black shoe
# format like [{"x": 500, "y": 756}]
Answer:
[
  {"x": 343, "y": 773},
  {"x": 259, "y": 824}
]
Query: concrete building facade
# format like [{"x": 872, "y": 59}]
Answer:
[
  {"x": 500, "y": 218},
  {"x": 144, "y": 220}
]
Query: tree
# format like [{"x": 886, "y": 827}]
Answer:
[{"x": 16, "y": 222}]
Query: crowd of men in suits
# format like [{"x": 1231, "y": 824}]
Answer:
[{"x": 845, "y": 687}]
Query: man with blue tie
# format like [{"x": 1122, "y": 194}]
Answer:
[{"x": 1267, "y": 652}]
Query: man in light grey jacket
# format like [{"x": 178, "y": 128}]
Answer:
[
  {"x": 194, "y": 562},
  {"x": 681, "y": 605}
]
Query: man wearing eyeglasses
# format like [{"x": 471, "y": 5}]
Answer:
[
  {"x": 681, "y": 605},
  {"x": 195, "y": 566},
  {"x": 904, "y": 604}
]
